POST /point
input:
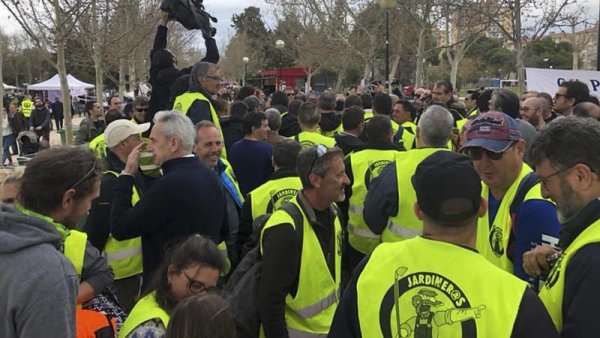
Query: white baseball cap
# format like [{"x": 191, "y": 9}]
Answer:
[{"x": 119, "y": 130}]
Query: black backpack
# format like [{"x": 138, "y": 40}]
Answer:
[{"x": 242, "y": 286}]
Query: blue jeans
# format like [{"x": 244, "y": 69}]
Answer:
[{"x": 7, "y": 141}]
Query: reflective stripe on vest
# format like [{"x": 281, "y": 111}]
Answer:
[
  {"x": 144, "y": 310},
  {"x": 273, "y": 194},
  {"x": 124, "y": 257},
  {"x": 426, "y": 288},
  {"x": 405, "y": 223},
  {"x": 310, "y": 139},
  {"x": 293, "y": 333},
  {"x": 408, "y": 135},
  {"x": 366, "y": 165},
  {"x": 311, "y": 310},
  {"x": 75, "y": 250},
  {"x": 230, "y": 183},
  {"x": 183, "y": 103},
  {"x": 98, "y": 146},
  {"x": 492, "y": 238},
  {"x": 552, "y": 292}
]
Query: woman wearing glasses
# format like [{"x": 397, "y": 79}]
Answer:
[{"x": 191, "y": 267}]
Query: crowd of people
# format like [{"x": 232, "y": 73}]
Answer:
[{"x": 363, "y": 214}]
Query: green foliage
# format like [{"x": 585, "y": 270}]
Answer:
[{"x": 557, "y": 55}]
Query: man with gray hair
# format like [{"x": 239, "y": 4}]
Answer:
[
  {"x": 274, "y": 119},
  {"x": 197, "y": 103},
  {"x": 391, "y": 196},
  {"x": 187, "y": 199}
]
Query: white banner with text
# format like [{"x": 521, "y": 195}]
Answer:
[{"x": 548, "y": 80}]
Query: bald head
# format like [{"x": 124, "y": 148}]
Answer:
[{"x": 587, "y": 109}]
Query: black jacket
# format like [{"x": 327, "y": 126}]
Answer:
[
  {"x": 163, "y": 74},
  {"x": 233, "y": 130},
  {"x": 348, "y": 142},
  {"x": 40, "y": 117},
  {"x": 289, "y": 125},
  {"x": 187, "y": 200},
  {"x": 330, "y": 121}
]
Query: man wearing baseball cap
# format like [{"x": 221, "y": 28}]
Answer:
[
  {"x": 518, "y": 218},
  {"x": 437, "y": 284},
  {"x": 125, "y": 257}
]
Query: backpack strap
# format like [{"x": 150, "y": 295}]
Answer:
[
  {"x": 298, "y": 219},
  {"x": 525, "y": 185}
]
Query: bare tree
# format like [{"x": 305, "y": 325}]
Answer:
[{"x": 48, "y": 23}]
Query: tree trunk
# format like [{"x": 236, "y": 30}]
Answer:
[
  {"x": 97, "y": 56},
  {"x": 420, "y": 57},
  {"x": 62, "y": 72},
  {"x": 575, "y": 60},
  {"x": 1, "y": 84},
  {"x": 121, "y": 77},
  {"x": 519, "y": 48}
]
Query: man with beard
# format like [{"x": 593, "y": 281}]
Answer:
[
  {"x": 301, "y": 263},
  {"x": 566, "y": 158},
  {"x": 40, "y": 121},
  {"x": 532, "y": 110}
]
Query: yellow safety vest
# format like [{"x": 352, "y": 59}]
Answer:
[
  {"x": 144, "y": 310},
  {"x": 492, "y": 241},
  {"x": 310, "y": 139},
  {"x": 552, "y": 292},
  {"x": 26, "y": 108},
  {"x": 366, "y": 165},
  {"x": 427, "y": 288},
  {"x": 183, "y": 103},
  {"x": 124, "y": 257},
  {"x": 273, "y": 194},
  {"x": 405, "y": 223},
  {"x": 310, "y": 312},
  {"x": 98, "y": 146},
  {"x": 409, "y": 135}
]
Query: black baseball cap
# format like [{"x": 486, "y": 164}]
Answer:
[{"x": 447, "y": 186}]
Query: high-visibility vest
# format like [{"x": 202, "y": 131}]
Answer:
[
  {"x": 492, "y": 241},
  {"x": 98, "y": 146},
  {"x": 427, "y": 288},
  {"x": 144, "y": 310},
  {"x": 369, "y": 115},
  {"x": 310, "y": 139},
  {"x": 366, "y": 165},
  {"x": 271, "y": 195},
  {"x": 124, "y": 257},
  {"x": 332, "y": 133},
  {"x": 230, "y": 183},
  {"x": 310, "y": 312},
  {"x": 26, "y": 108},
  {"x": 183, "y": 103},
  {"x": 552, "y": 293},
  {"x": 409, "y": 135},
  {"x": 405, "y": 223}
]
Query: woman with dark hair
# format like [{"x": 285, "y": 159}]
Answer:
[
  {"x": 204, "y": 315},
  {"x": 280, "y": 101},
  {"x": 189, "y": 268}
]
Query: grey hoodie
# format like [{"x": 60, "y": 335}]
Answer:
[{"x": 38, "y": 285}]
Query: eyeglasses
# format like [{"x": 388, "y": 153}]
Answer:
[
  {"x": 216, "y": 78},
  {"x": 320, "y": 151},
  {"x": 87, "y": 175},
  {"x": 544, "y": 180},
  {"x": 476, "y": 153},
  {"x": 557, "y": 95},
  {"x": 141, "y": 109},
  {"x": 195, "y": 286},
  {"x": 527, "y": 110}
]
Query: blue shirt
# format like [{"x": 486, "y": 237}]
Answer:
[
  {"x": 536, "y": 223},
  {"x": 251, "y": 162}
]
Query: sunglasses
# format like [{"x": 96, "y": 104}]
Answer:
[
  {"x": 87, "y": 175},
  {"x": 320, "y": 151},
  {"x": 476, "y": 153},
  {"x": 557, "y": 95},
  {"x": 141, "y": 109}
]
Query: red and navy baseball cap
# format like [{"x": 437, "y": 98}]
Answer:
[
  {"x": 494, "y": 131},
  {"x": 447, "y": 186}
]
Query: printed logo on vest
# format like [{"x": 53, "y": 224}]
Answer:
[
  {"x": 307, "y": 144},
  {"x": 278, "y": 198},
  {"x": 177, "y": 107},
  {"x": 427, "y": 305},
  {"x": 495, "y": 240},
  {"x": 554, "y": 272},
  {"x": 374, "y": 170}
]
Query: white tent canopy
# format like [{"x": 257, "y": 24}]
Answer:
[
  {"x": 8, "y": 87},
  {"x": 54, "y": 84}
]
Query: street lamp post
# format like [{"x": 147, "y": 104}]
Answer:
[
  {"x": 387, "y": 5},
  {"x": 245, "y": 59},
  {"x": 279, "y": 44}
]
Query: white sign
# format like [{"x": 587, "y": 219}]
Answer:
[{"x": 548, "y": 80}]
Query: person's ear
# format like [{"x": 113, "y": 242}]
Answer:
[
  {"x": 68, "y": 198},
  {"x": 418, "y": 211}
]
